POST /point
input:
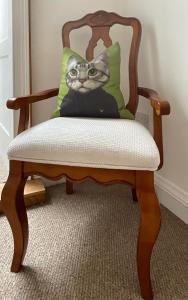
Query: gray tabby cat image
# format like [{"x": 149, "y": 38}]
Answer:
[{"x": 85, "y": 97}]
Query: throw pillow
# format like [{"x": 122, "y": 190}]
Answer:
[{"x": 91, "y": 89}]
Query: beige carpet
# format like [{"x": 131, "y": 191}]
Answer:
[{"x": 83, "y": 247}]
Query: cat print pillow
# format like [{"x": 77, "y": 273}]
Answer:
[{"x": 91, "y": 89}]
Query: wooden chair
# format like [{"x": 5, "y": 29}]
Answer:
[{"x": 142, "y": 181}]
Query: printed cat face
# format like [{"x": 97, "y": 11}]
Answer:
[{"x": 85, "y": 77}]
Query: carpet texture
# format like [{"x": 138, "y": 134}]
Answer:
[{"x": 83, "y": 247}]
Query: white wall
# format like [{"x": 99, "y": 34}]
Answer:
[{"x": 163, "y": 65}]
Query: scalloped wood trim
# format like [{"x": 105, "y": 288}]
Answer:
[{"x": 79, "y": 174}]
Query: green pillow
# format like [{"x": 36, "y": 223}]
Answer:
[{"x": 91, "y": 89}]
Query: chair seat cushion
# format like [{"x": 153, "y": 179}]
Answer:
[{"x": 97, "y": 143}]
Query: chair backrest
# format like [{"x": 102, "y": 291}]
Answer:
[{"x": 100, "y": 23}]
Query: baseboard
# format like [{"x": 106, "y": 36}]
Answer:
[{"x": 172, "y": 197}]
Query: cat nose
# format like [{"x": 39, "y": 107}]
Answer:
[{"x": 82, "y": 80}]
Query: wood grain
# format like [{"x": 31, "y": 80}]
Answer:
[
  {"x": 14, "y": 209},
  {"x": 69, "y": 187},
  {"x": 79, "y": 174},
  {"x": 160, "y": 107},
  {"x": 100, "y": 23},
  {"x": 142, "y": 182},
  {"x": 34, "y": 193},
  {"x": 19, "y": 102},
  {"x": 24, "y": 104},
  {"x": 149, "y": 228},
  {"x": 24, "y": 118}
]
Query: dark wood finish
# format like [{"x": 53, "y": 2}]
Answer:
[
  {"x": 149, "y": 228},
  {"x": 79, "y": 174},
  {"x": 97, "y": 34},
  {"x": 69, "y": 187},
  {"x": 100, "y": 23},
  {"x": 14, "y": 208},
  {"x": 19, "y": 102},
  {"x": 134, "y": 196},
  {"x": 157, "y": 135},
  {"x": 142, "y": 182},
  {"x": 24, "y": 104},
  {"x": 160, "y": 107},
  {"x": 24, "y": 118},
  {"x": 34, "y": 193}
]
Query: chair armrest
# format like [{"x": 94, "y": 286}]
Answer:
[
  {"x": 160, "y": 108},
  {"x": 20, "y": 102},
  {"x": 23, "y": 103}
]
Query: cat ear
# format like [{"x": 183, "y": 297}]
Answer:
[
  {"x": 101, "y": 62},
  {"x": 72, "y": 62},
  {"x": 102, "y": 57}
]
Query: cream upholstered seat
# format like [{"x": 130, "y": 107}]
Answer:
[
  {"x": 100, "y": 143},
  {"x": 106, "y": 150}
]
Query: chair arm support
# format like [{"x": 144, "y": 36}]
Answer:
[
  {"x": 20, "y": 102},
  {"x": 160, "y": 108},
  {"x": 23, "y": 103}
]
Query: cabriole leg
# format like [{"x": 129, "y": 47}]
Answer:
[
  {"x": 15, "y": 211},
  {"x": 149, "y": 229}
]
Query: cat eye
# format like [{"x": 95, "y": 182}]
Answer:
[
  {"x": 73, "y": 72},
  {"x": 92, "y": 72}
]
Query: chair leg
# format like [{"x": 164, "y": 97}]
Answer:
[
  {"x": 149, "y": 229},
  {"x": 69, "y": 187},
  {"x": 15, "y": 211},
  {"x": 135, "y": 199}
]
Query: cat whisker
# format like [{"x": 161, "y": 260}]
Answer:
[{"x": 100, "y": 81}]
